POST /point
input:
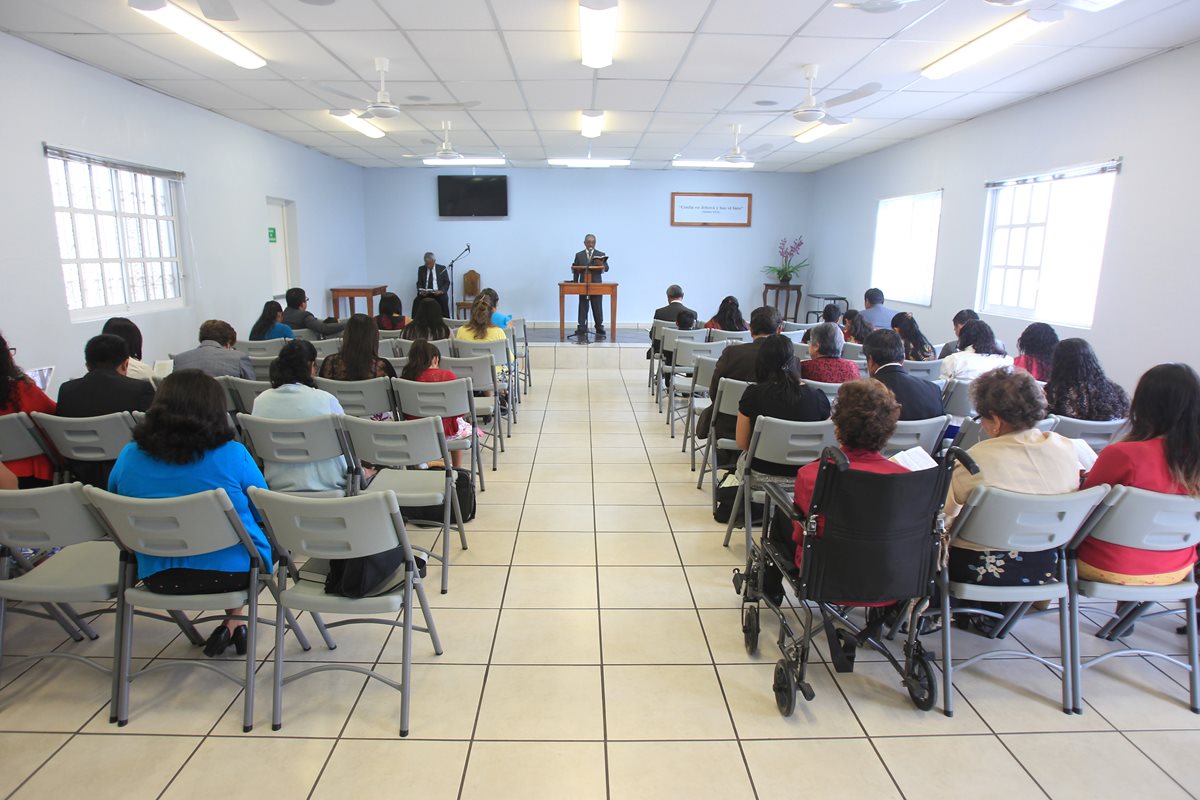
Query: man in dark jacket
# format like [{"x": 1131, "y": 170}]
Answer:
[
  {"x": 297, "y": 315},
  {"x": 918, "y": 398}
]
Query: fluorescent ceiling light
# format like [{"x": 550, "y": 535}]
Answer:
[
  {"x": 464, "y": 161},
  {"x": 1016, "y": 29},
  {"x": 597, "y": 32},
  {"x": 715, "y": 163},
  {"x": 814, "y": 132},
  {"x": 351, "y": 120},
  {"x": 200, "y": 32},
  {"x": 591, "y": 124},
  {"x": 586, "y": 163}
]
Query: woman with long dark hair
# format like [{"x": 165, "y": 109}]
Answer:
[
  {"x": 1036, "y": 343},
  {"x": 358, "y": 359},
  {"x": 186, "y": 445},
  {"x": 127, "y": 330},
  {"x": 427, "y": 321},
  {"x": 391, "y": 312},
  {"x": 728, "y": 317},
  {"x": 916, "y": 346},
  {"x": 1159, "y": 454},
  {"x": 1078, "y": 387},
  {"x": 977, "y": 353},
  {"x": 269, "y": 324},
  {"x": 424, "y": 365},
  {"x": 855, "y": 327},
  {"x": 19, "y": 393}
]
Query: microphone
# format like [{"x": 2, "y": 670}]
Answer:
[{"x": 468, "y": 247}]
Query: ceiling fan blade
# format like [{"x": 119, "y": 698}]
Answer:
[
  {"x": 759, "y": 150},
  {"x": 218, "y": 10},
  {"x": 866, "y": 90},
  {"x": 468, "y": 104},
  {"x": 317, "y": 2},
  {"x": 831, "y": 121},
  {"x": 366, "y": 115},
  {"x": 875, "y": 6},
  {"x": 340, "y": 93}
]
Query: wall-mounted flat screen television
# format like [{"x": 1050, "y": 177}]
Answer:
[{"x": 472, "y": 195}]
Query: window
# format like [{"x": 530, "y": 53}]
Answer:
[
  {"x": 118, "y": 234},
  {"x": 1045, "y": 244},
  {"x": 906, "y": 234}
]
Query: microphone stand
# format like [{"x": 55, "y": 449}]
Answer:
[{"x": 450, "y": 268}]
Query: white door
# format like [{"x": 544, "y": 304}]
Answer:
[{"x": 278, "y": 239}]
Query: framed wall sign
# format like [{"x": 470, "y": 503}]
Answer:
[{"x": 710, "y": 209}]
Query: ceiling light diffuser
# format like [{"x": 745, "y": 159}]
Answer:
[
  {"x": 814, "y": 132},
  {"x": 588, "y": 163},
  {"x": 1015, "y": 30},
  {"x": 351, "y": 120},
  {"x": 464, "y": 161},
  {"x": 591, "y": 124},
  {"x": 199, "y": 32},
  {"x": 715, "y": 163},
  {"x": 597, "y": 32}
]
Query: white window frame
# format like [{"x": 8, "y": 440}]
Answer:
[
  {"x": 1032, "y": 234},
  {"x": 888, "y": 255},
  {"x": 145, "y": 235}
]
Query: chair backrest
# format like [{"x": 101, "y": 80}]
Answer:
[
  {"x": 18, "y": 437},
  {"x": 923, "y": 433},
  {"x": 971, "y": 432},
  {"x": 956, "y": 398},
  {"x": 265, "y": 347},
  {"x": 702, "y": 374},
  {"x": 1002, "y": 520},
  {"x": 306, "y": 334},
  {"x": 443, "y": 399},
  {"x": 929, "y": 370},
  {"x": 477, "y": 368},
  {"x": 398, "y": 363},
  {"x": 244, "y": 392},
  {"x": 830, "y": 389},
  {"x": 519, "y": 331},
  {"x": 53, "y": 516},
  {"x": 1144, "y": 520},
  {"x": 443, "y": 347},
  {"x": 327, "y": 347},
  {"x": 671, "y": 336},
  {"x": 718, "y": 335},
  {"x": 782, "y": 441},
  {"x": 262, "y": 367},
  {"x": 797, "y": 338},
  {"x": 397, "y": 444},
  {"x": 852, "y": 351},
  {"x": 87, "y": 438},
  {"x": 657, "y": 327},
  {"x": 470, "y": 283},
  {"x": 454, "y": 323},
  {"x": 399, "y": 347},
  {"x": 1097, "y": 434},
  {"x": 293, "y": 441},
  {"x": 789, "y": 327},
  {"x": 231, "y": 400},
  {"x": 686, "y": 352},
  {"x": 729, "y": 396},
  {"x": 465, "y": 348},
  {"x": 348, "y": 527},
  {"x": 361, "y": 398},
  {"x": 173, "y": 527},
  {"x": 387, "y": 334}
]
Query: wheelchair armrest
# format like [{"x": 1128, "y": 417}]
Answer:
[
  {"x": 783, "y": 500},
  {"x": 964, "y": 458}
]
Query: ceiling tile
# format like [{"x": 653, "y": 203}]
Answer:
[
  {"x": 114, "y": 16},
  {"x": 655, "y": 153},
  {"x": 960, "y": 22},
  {"x": 678, "y": 122},
  {"x": 620, "y": 138},
  {"x": 322, "y": 121},
  {"x": 865, "y": 145},
  {"x": 110, "y": 53},
  {"x": 267, "y": 119},
  {"x": 542, "y": 55},
  {"x": 41, "y": 18},
  {"x": 442, "y": 15},
  {"x": 647, "y": 56},
  {"x": 556, "y": 120},
  {"x": 344, "y": 15},
  {"x": 433, "y": 118},
  {"x": 558, "y": 95},
  {"x": 1163, "y": 29},
  {"x": 205, "y": 93},
  {"x": 278, "y": 94},
  {"x": 835, "y": 22},
  {"x": 537, "y": 15},
  {"x": 525, "y": 152},
  {"x": 660, "y": 15},
  {"x": 674, "y": 141},
  {"x": 728, "y": 59},
  {"x": 358, "y": 50},
  {"x": 832, "y": 56},
  {"x": 1001, "y": 65},
  {"x": 625, "y": 95},
  {"x": 1080, "y": 26},
  {"x": 912, "y": 128},
  {"x": 508, "y": 121},
  {"x": 760, "y": 16},
  {"x": 522, "y": 138},
  {"x": 491, "y": 95},
  {"x": 689, "y": 96},
  {"x": 626, "y": 121},
  {"x": 1073, "y": 65},
  {"x": 896, "y": 105},
  {"x": 464, "y": 55},
  {"x": 400, "y": 123},
  {"x": 894, "y": 64},
  {"x": 968, "y": 106},
  {"x": 784, "y": 98},
  {"x": 296, "y": 56},
  {"x": 252, "y": 16},
  {"x": 192, "y": 57},
  {"x": 311, "y": 138}
]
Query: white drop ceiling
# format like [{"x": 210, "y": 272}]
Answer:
[{"x": 684, "y": 71}]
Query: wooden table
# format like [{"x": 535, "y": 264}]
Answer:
[
  {"x": 828, "y": 298},
  {"x": 351, "y": 292},
  {"x": 787, "y": 290},
  {"x": 569, "y": 287}
]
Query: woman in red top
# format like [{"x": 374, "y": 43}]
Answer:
[
  {"x": 826, "y": 364},
  {"x": 391, "y": 313},
  {"x": 1037, "y": 344},
  {"x": 728, "y": 316},
  {"x": 1159, "y": 454},
  {"x": 19, "y": 393},
  {"x": 422, "y": 366}
]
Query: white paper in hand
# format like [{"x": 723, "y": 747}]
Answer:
[
  {"x": 1086, "y": 455},
  {"x": 914, "y": 458}
]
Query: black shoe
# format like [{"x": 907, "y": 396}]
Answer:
[
  {"x": 238, "y": 640},
  {"x": 217, "y": 642},
  {"x": 600, "y": 332}
]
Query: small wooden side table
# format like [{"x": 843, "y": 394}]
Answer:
[
  {"x": 351, "y": 292},
  {"x": 788, "y": 291}
]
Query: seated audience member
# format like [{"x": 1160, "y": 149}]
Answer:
[
  {"x": 105, "y": 389},
  {"x": 215, "y": 356},
  {"x": 7, "y": 479},
  {"x": 498, "y": 319},
  {"x": 1158, "y": 454},
  {"x": 960, "y": 319},
  {"x": 977, "y": 353},
  {"x": 358, "y": 358},
  {"x": 777, "y": 392},
  {"x": 728, "y": 317},
  {"x": 184, "y": 446},
  {"x": 864, "y": 419},
  {"x": 427, "y": 322},
  {"x": 916, "y": 346},
  {"x": 832, "y": 312},
  {"x": 297, "y": 315},
  {"x": 826, "y": 364},
  {"x": 1078, "y": 387},
  {"x": 127, "y": 330},
  {"x": 855, "y": 328},
  {"x": 1036, "y": 343},
  {"x": 670, "y": 312},
  {"x": 18, "y": 393},
  {"x": 918, "y": 398},
  {"x": 391, "y": 312},
  {"x": 686, "y": 320},
  {"x": 269, "y": 324},
  {"x": 424, "y": 365},
  {"x": 293, "y": 395},
  {"x": 737, "y": 362},
  {"x": 480, "y": 328},
  {"x": 1017, "y": 457},
  {"x": 874, "y": 311}
]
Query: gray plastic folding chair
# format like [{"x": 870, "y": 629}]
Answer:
[
  {"x": 670, "y": 342},
  {"x": 231, "y": 399},
  {"x": 453, "y": 324},
  {"x": 400, "y": 347},
  {"x": 327, "y": 347},
  {"x": 87, "y": 440},
  {"x": 396, "y": 446},
  {"x": 1098, "y": 435},
  {"x": 519, "y": 332},
  {"x": 797, "y": 338},
  {"x": 480, "y": 372},
  {"x": 266, "y": 347},
  {"x": 384, "y": 335},
  {"x": 718, "y": 335},
  {"x": 971, "y": 432},
  {"x": 929, "y": 370},
  {"x": 698, "y": 400},
  {"x": 923, "y": 433},
  {"x": 656, "y": 335},
  {"x": 956, "y": 398},
  {"x": 444, "y": 400},
  {"x": 1145, "y": 521},
  {"x": 852, "y": 351},
  {"x": 362, "y": 398},
  {"x": 729, "y": 396},
  {"x": 300, "y": 441},
  {"x": 338, "y": 529},
  {"x": 680, "y": 387},
  {"x": 443, "y": 346},
  {"x": 306, "y": 334},
  {"x": 498, "y": 352},
  {"x": 20, "y": 438},
  {"x": 789, "y": 327},
  {"x": 1011, "y": 521},
  {"x": 829, "y": 389},
  {"x": 262, "y": 367},
  {"x": 178, "y": 527},
  {"x": 244, "y": 392}
]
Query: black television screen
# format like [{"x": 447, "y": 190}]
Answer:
[{"x": 472, "y": 195}]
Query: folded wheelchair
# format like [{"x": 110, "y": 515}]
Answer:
[{"x": 870, "y": 540}]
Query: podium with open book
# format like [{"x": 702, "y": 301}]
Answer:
[{"x": 587, "y": 286}]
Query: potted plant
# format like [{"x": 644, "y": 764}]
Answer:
[{"x": 786, "y": 270}]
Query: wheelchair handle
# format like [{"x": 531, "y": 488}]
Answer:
[{"x": 964, "y": 458}]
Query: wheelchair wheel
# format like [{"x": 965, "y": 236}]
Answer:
[
  {"x": 750, "y": 628},
  {"x": 785, "y": 688},
  {"x": 922, "y": 682}
]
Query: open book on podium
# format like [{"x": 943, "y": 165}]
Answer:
[{"x": 597, "y": 267}]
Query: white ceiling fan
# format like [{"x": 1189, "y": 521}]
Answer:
[
  {"x": 812, "y": 111},
  {"x": 446, "y": 154},
  {"x": 735, "y": 157},
  {"x": 215, "y": 10},
  {"x": 382, "y": 106}
]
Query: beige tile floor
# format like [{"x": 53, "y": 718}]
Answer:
[{"x": 592, "y": 650}]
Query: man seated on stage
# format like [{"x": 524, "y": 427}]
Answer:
[
  {"x": 589, "y": 256},
  {"x": 297, "y": 315},
  {"x": 433, "y": 280}
]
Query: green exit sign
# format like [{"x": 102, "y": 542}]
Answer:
[{"x": 271, "y": 235}]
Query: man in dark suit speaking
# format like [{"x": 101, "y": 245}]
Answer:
[
  {"x": 918, "y": 398},
  {"x": 590, "y": 256},
  {"x": 433, "y": 280}
]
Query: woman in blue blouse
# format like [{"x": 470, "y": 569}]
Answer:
[
  {"x": 270, "y": 324},
  {"x": 186, "y": 446}
]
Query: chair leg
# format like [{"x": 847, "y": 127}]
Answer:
[
  {"x": 419, "y": 586},
  {"x": 125, "y": 648},
  {"x": 79, "y": 622},
  {"x": 1193, "y": 655},
  {"x": 64, "y": 623},
  {"x": 185, "y": 625},
  {"x": 947, "y": 654},
  {"x": 458, "y": 519},
  {"x": 251, "y": 650},
  {"x": 446, "y": 503},
  {"x": 703, "y": 461},
  {"x": 477, "y": 458},
  {"x": 1076, "y": 659},
  {"x": 748, "y": 516},
  {"x": 737, "y": 500},
  {"x": 1064, "y": 638},
  {"x": 324, "y": 631},
  {"x": 277, "y": 677},
  {"x": 406, "y": 657}
]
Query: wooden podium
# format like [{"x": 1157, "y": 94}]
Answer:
[{"x": 585, "y": 287}]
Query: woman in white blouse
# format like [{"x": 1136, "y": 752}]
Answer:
[{"x": 977, "y": 353}]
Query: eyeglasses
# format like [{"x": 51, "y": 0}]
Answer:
[{"x": 12, "y": 350}]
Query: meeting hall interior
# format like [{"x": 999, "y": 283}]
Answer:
[{"x": 570, "y": 618}]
